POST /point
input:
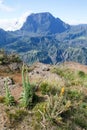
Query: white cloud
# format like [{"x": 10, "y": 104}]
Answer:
[
  {"x": 1, "y": 1},
  {"x": 15, "y": 23},
  {"x": 4, "y": 7}
]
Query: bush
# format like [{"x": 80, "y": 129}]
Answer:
[
  {"x": 74, "y": 95},
  {"x": 15, "y": 116},
  {"x": 81, "y": 74},
  {"x": 44, "y": 87},
  {"x": 56, "y": 105},
  {"x": 14, "y": 58}
]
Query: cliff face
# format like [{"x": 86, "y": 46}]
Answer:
[{"x": 44, "y": 23}]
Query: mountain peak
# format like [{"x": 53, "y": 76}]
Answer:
[{"x": 44, "y": 23}]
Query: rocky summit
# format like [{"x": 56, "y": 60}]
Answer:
[{"x": 44, "y": 23}]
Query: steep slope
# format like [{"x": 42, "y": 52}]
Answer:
[
  {"x": 3, "y": 37},
  {"x": 44, "y": 23},
  {"x": 7, "y": 37}
]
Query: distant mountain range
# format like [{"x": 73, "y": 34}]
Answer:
[{"x": 47, "y": 39}]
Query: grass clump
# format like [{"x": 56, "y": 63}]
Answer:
[
  {"x": 15, "y": 116},
  {"x": 71, "y": 77},
  {"x": 56, "y": 105},
  {"x": 81, "y": 74},
  {"x": 44, "y": 88},
  {"x": 74, "y": 95},
  {"x": 65, "y": 110},
  {"x": 47, "y": 88}
]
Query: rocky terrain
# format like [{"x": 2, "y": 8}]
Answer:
[{"x": 40, "y": 75}]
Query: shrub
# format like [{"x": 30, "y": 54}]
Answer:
[
  {"x": 81, "y": 74},
  {"x": 47, "y": 88},
  {"x": 74, "y": 95},
  {"x": 16, "y": 116},
  {"x": 14, "y": 58},
  {"x": 44, "y": 87},
  {"x": 56, "y": 105}
]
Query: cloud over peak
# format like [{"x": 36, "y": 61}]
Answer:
[{"x": 13, "y": 24}]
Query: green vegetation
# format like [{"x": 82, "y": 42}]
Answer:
[
  {"x": 9, "y": 99},
  {"x": 8, "y": 58},
  {"x": 50, "y": 107},
  {"x": 16, "y": 116},
  {"x": 44, "y": 87},
  {"x": 71, "y": 77},
  {"x": 56, "y": 105},
  {"x": 28, "y": 92},
  {"x": 45, "y": 42},
  {"x": 48, "y": 88}
]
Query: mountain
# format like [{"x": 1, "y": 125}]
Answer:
[
  {"x": 3, "y": 36},
  {"x": 44, "y": 23},
  {"x": 6, "y": 37},
  {"x": 47, "y": 39}
]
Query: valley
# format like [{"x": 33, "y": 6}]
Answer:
[{"x": 44, "y": 38}]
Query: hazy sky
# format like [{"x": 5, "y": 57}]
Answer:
[{"x": 14, "y": 12}]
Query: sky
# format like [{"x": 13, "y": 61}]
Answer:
[{"x": 13, "y": 13}]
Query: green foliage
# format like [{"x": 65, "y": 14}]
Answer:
[
  {"x": 16, "y": 116},
  {"x": 56, "y": 105},
  {"x": 71, "y": 77},
  {"x": 74, "y": 95},
  {"x": 81, "y": 74},
  {"x": 28, "y": 92},
  {"x": 66, "y": 110},
  {"x": 8, "y": 58},
  {"x": 44, "y": 87},
  {"x": 14, "y": 58},
  {"x": 80, "y": 116},
  {"x": 3, "y": 57},
  {"x": 47, "y": 88},
  {"x": 9, "y": 99}
]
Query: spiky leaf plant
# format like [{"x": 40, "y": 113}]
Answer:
[
  {"x": 28, "y": 93},
  {"x": 9, "y": 99}
]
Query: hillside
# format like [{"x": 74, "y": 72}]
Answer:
[{"x": 70, "y": 85}]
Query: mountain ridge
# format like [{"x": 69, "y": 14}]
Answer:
[{"x": 46, "y": 44}]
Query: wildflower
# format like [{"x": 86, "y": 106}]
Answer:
[
  {"x": 62, "y": 91},
  {"x": 68, "y": 104}
]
